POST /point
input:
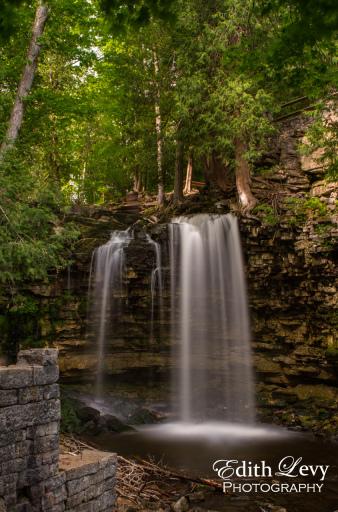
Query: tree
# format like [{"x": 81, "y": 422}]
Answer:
[
  {"x": 179, "y": 162},
  {"x": 26, "y": 81},
  {"x": 123, "y": 96},
  {"x": 158, "y": 126},
  {"x": 224, "y": 103},
  {"x": 188, "y": 176}
]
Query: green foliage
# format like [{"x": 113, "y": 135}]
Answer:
[
  {"x": 70, "y": 422},
  {"x": 9, "y": 12},
  {"x": 315, "y": 205},
  {"x": 309, "y": 21},
  {"x": 302, "y": 207},
  {"x": 302, "y": 51},
  {"x": 224, "y": 67},
  {"x": 24, "y": 305},
  {"x": 136, "y": 13},
  {"x": 323, "y": 229},
  {"x": 322, "y": 137},
  {"x": 32, "y": 237},
  {"x": 268, "y": 213},
  {"x": 219, "y": 97}
]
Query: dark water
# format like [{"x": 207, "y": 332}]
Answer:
[{"x": 194, "y": 448}]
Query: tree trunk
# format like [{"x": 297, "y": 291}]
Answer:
[
  {"x": 26, "y": 81},
  {"x": 243, "y": 180},
  {"x": 188, "y": 177},
  {"x": 218, "y": 173},
  {"x": 178, "y": 185},
  {"x": 158, "y": 126},
  {"x": 138, "y": 187}
]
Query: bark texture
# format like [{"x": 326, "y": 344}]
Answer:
[
  {"x": 138, "y": 186},
  {"x": 178, "y": 185},
  {"x": 243, "y": 180},
  {"x": 26, "y": 81},
  {"x": 188, "y": 177},
  {"x": 158, "y": 126},
  {"x": 218, "y": 173}
]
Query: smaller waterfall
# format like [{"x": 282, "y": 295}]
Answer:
[
  {"x": 106, "y": 292},
  {"x": 156, "y": 284}
]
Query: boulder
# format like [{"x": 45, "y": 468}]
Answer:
[
  {"x": 111, "y": 423},
  {"x": 87, "y": 414},
  {"x": 143, "y": 416},
  {"x": 182, "y": 505}
]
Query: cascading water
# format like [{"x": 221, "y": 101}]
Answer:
[
  {"x": 156, "y": 284},
  {"x": 210, "y": 322},
  {"x": 213, "y": 383},
  {"x": 106, "y": 292}
]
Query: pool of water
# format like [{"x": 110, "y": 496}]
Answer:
[{"x": 194, "y": 448}]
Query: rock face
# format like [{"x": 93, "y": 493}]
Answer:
[
  {"x": 290, "y": 252},
  {"x": 34, "y": 477}
]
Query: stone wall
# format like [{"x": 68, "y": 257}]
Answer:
[{"x": 33, "y": 477}]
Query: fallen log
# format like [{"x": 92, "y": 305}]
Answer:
[{"x": 180, "y": 476}]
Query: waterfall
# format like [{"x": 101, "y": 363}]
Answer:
[
  {"x": 106, "y": 292},
  {"x": 210, "y": 322},
  {"x": 156, "y": 284}
]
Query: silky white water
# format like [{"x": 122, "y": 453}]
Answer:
[
  {"x": 156, "y": 285},
  {"x": 210, "y": 321},
  {"x": 106, "y": 292}
]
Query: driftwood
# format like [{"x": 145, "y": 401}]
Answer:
[
  {"x": 141, "y": 481},
  {"x": 180, "y": 476},
  {"x": 73, "y": 445}
]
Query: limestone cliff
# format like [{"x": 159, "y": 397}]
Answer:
[{"x": 290, "y": 253}]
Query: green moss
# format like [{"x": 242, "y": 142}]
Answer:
[
  {"x": 302, "y": 207},
  {"x": 323, "y": 229},
  {"x": 268, "y": 213},
  {"x": 315, "y": 205},
  {"x": 264, "y": 171}
]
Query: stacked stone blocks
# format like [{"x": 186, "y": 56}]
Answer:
[{"x": 31, "y": 479}]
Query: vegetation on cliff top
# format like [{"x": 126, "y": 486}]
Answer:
[{"x": 119, "y": 95}]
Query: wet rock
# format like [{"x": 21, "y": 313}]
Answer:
[
  {"x": 112, "y": 424},
  {"x": 88, "y": 414},
  {"x": 90, "y": 427},
  {"x": 182, "y": 505},
  {"x": 143, "y": 416}
]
